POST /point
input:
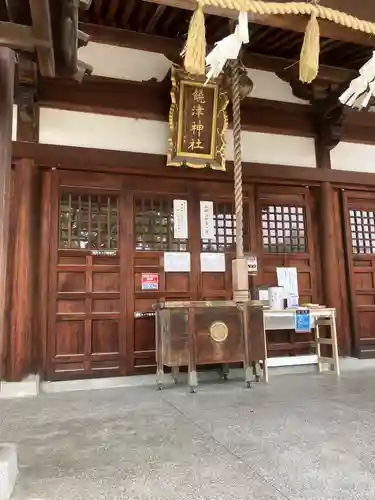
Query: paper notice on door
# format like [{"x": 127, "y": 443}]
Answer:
[
  {"x": 207, "y": 220},
  {"x": 176, "y": 262},
  {"x": 212, "y": 262},
  {"x": 180, "y": 220},
  {"x": 252, "y": 264},
  {"x": 287, "y": 277}
]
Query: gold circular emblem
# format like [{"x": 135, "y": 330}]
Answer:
[{"x": 219, "y": 331}]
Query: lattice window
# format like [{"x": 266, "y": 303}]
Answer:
[
  {"x": 154, "y": 230},
  {"x": 88, "y": 222},
  {"x": 224, "y": 229},
  {"x": 362, "y": 227},
  {"x": 284, "y": 229}
]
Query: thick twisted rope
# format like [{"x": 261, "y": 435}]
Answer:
[
  {"x": 195, "y": 50},
  {"x": 272, "y": 8},
  {"x": 238, "y": 196}
]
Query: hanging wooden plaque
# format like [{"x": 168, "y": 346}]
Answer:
[{"x": 197, "y": 121}]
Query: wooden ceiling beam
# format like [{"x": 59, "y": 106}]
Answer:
[
  {"x": 19, "y": 37},
  {"x": 151, "y": 100},
  {"x": 132, "y": 39},
  {"x": 362, "y": 10},
  {"x": 279, "y": 64},
  {"x": 152, "y": 165},
  {"x": 171, "y": 48},
  {"x": 42, "y": 29}
]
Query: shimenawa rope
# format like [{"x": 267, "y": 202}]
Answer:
[{"x": 195, "y": 50}]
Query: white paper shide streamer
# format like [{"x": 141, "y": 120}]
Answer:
[
  {"x": 228, "y": 48},
  {"x": 362, "y": 88}
]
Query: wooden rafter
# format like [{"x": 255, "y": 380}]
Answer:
[
  {"x": 155, "y": 18},
  {"x": 98, "y": 9},
  {"x": 19, "y": 37},
  {"x": 129, "y": 6},
  {"x": 170, "y": 19},
  {"x": 42, "y": 29},
  {"x": 113, "y": 6},
  {"x": 171, "y": 48},
  {"x": 297, "y": 23}
]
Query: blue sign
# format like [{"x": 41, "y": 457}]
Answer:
[
  {"x": 149, "y": 286},
  {"x": 302, "y": 322}
]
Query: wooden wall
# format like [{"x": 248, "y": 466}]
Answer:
[
  {"x": 265, "y": 186},
  {"x": 72, "y": 314}
]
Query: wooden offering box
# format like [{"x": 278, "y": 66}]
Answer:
[{"x": 205, "y": 333}]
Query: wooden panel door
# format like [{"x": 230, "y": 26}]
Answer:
[
  {"x": 153, "y": 235},
  {"x": 86, "y": 324},
  {"x": 287, "y": 240},
  {"x": 359, "y": 216}
]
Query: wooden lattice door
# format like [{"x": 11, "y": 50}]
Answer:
[
  {"x": 153, "y": 235},
  {"x": 153, "y": 230},
  {"x": 286, "y": 239},
  {"x": 218, "y": 285},
  {"x": 86, "y": 321},
  {"x": 359, "y": 216}
]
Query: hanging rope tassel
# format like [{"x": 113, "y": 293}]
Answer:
[
  {"x": 309, "y": 58},
  {"x": 195, "y": 48}
]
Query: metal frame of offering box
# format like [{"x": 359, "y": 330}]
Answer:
[{"x": 206, "y": 333}]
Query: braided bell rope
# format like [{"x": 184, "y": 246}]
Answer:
[
  {"x": 238, "y": 196},
  {"x": 302, "y": 8}
]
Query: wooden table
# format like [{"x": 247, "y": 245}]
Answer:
[{"x": 284, "y": 319}]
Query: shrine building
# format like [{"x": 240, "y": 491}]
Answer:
[{"x": 105, "y": 195}]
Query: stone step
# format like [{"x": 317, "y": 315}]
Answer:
[{"x": 8, "y": 470}]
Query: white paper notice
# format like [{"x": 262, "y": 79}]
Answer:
[
  {"x": 252, "y": 264},
  {"x": 180, "y": 219},
  {"x": 207, "y": 220},
  {"x": 177, "y": 262},
  {"x": 287, "y": 277},
  {"x": 212, "y": 262}
]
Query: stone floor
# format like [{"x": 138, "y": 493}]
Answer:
[{"x": 301, "y": 437}]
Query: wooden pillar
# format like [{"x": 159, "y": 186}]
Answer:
[
  {"x": 328, "y": 243},
  {"x": 24, "y": 235},
  {"x": 330, "y": 268},
  {"x": 20, "y": 356},
  {"x": 7, "y": 65}
]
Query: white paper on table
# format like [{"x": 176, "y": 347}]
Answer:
[
  {"x": 207, "y": 220},
  {"x": 180, "y": 220},
  {"x": 177, "y": 262},
  {"x": 292, "y": 301},
  {"x": 287, "y": 277},
  {"x": 263, "y": 295},
  {"x": 212, "y": 262}
]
